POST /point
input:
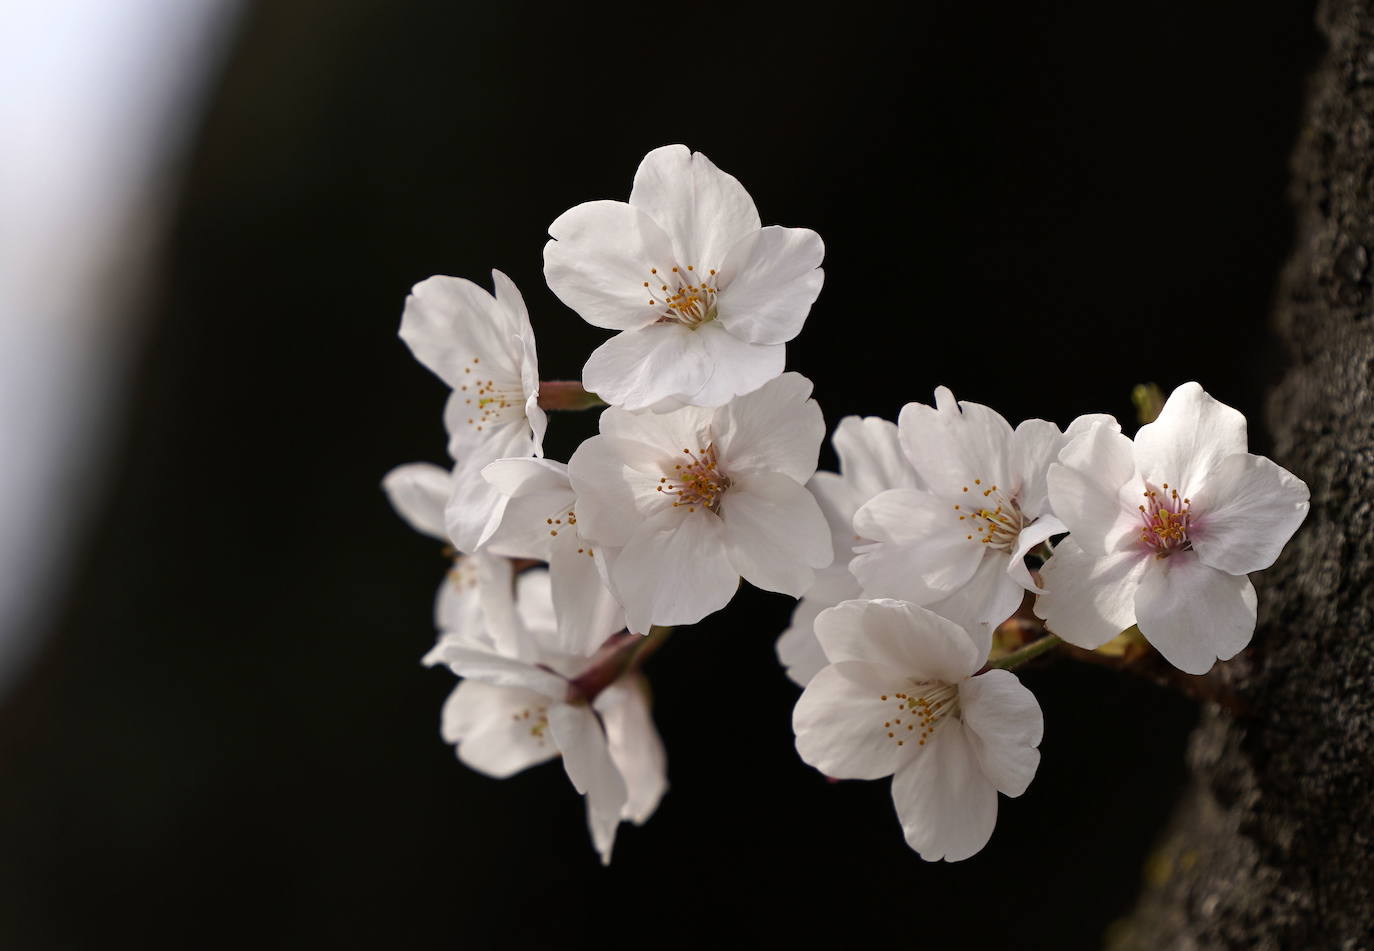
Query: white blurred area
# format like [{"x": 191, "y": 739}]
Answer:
[{"x": 97, "y": 99}]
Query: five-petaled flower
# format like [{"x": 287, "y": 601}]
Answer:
[
  {"x": 900, "y": 698},
  {"x": 957, "y": 542},
  {"x": 483, "y": 347},
  {"x": 1165, "y": 530},
  {"x": 704, "y": 298},
  {"x": 683, "y": 504}
]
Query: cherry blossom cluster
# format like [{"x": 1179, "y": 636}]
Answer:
[{"x": 566, "y": 576}]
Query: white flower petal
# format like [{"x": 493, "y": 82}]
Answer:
[
  {"x": 704, "y": 210},
  {"x": 798, "y": 649},
  {"x": 599, "y": 262},
  {"x": 1194, "y": 614},
  {"x": 663, "y": 436},
  {"x": 842, "y": 724},
  {"x": 871, "y": 457},
  {"x": 1035, "y": 444},
  {"x": 587, "y": 612},
  {"x": 898, "y": 636},
  {"x": 738, "y": 366},
  {"x": 499, "y": 730},
  {"x": 987, "y": 599},
  {"x": 587, "y": 759},
  {"x": 448, "y": 321},
  {"x": 1191, "y": 436},
  {"x": 1086, "y": 489},
  {"x": 1032, "y": 535},
  {"x": 947, "y": 807},
  {"x": 1247, "y": 511},
  {"x": 475, "y": 508},
  {"x": 776, "y": 428},
  {"x": 922, "y": 552},
  {"x": 418, "y": 492},
  {"x": 638, "y": 368},
  {"x": 614, "y": 492},
  {"x": 503, "y": 671},
  {"x": 673, "y": 570},
  {"x": 1003, "y": 725},
  {"x": 952, "y": 447},
  {"x": 769, "y": 281},
  {"x": 1089, "y": 599},
  {"x": 775, "y": 534},
  {"x": 635, "y": 746}
]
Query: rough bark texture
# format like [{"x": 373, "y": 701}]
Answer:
[{"x": 1272, "y": 846}]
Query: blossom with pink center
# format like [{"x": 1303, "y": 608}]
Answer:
[
  {"x": 1165, "y": 529},
  {"x": 682, "y": 504}
]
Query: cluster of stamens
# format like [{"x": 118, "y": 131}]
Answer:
[
  {"x": 698, "y": 482},
  {"x": 490, "y": 403},
  {"x": 998, "y": 525},
  {"x": 538, "y": 721},
  {"x": 682, "y": 301},
  {"x": 924, "y": 710},
  {"x": 1165, "y": 518}
]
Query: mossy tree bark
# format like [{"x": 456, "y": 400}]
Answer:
[{"x": 1272, "y": 844}]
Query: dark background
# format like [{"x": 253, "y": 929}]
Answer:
[{"x": 230, "y": 742}]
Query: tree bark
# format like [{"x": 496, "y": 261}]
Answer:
[{"x": 1272, "y": 844}]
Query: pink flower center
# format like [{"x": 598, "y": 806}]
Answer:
[
  {"x": 1165, "y": 518},
  {"x": 996, "y": 522}
]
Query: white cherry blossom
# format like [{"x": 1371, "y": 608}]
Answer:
[
  {"x": 871, "y": 462},
  {"x": 1165, "y": 530},
  {"x": 900, "y": 698},
  {"x": 957, "y": 543},
  {"x": 704, "y": 298},
  {"x": 521, "y": 706},
  {"x": 683, "y": 504},
  {"x": 540, "y": 521},
  {"x": 483, "y": 347}
]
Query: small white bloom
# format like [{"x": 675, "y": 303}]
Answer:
[
  {"x": 682, "y": 504},
  {"x": 1164, "y": 531},
  {"x": 871, "y": 462},
  {"x": 540, "y": 521},
  {"x": 704, "y": 298},
  {"x": 518, "y": 708},
  {"x": 899, "y": 698},
  {"x": 483, "y": 347},
  {"x": 958, "y": 543}
]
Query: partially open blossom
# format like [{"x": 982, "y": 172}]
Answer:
[
  {"x": 899, "y": 698},
  {"x": 1165, "y": 530},
  {"x": 704, "y": 298},
  {"x": 483, "y": 347},
  {"x": 957, "y": 544},
  {"x": 540, "y": 521},
  {"x": 519, "y": 707},
  {"x": 683, "y": 504},
  {"x": 871, "y": 462}
]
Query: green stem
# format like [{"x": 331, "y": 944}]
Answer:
[
  {"x": 566, "y": 395},
  {"x": 1032, "y": 650}
]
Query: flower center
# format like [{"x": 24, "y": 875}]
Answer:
[
  {"x": 537, "y": 719},
  {"x": 924, "y": 708},
  {"x": 1164, "y": 521},
  {"x": 683, "y": 301},
  {"x": 996, "y": 521},
  {"x": 490, "y": 402},
  {"x": 697, "y": 482}
]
